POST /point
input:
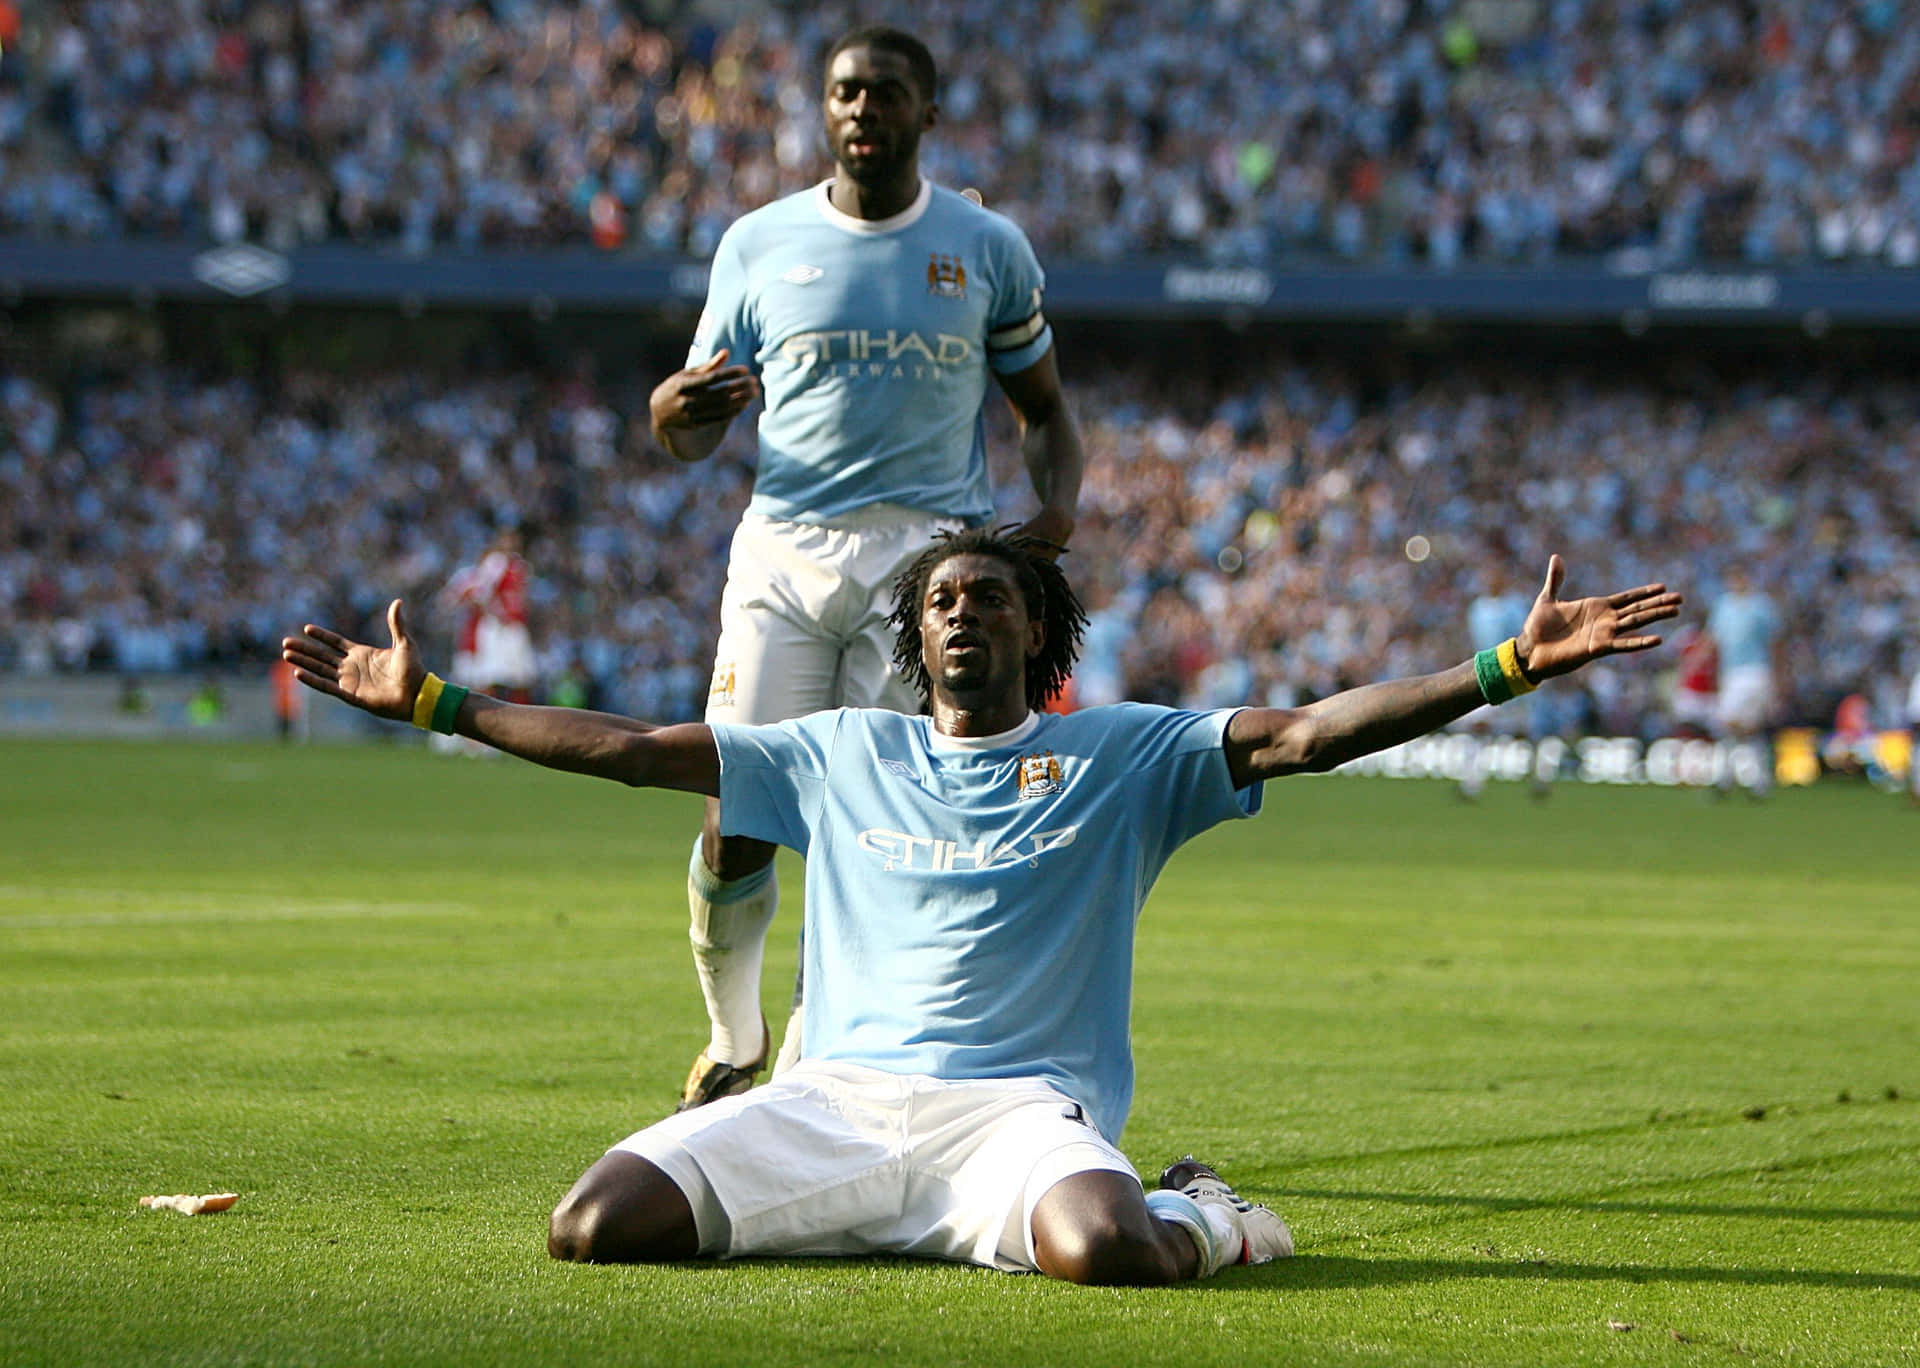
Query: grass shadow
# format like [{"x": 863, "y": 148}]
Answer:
[
  {"x": 1345, "y": 1271},
  {"x": 1602, "y": 1206}
]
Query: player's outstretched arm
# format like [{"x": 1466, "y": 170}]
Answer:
[
  {"x": 1558, "y": 638},
  {"x": 1050, "y": 445},
  {"x": 691, "y": 408},
  {"x": 386, "y": 681}
]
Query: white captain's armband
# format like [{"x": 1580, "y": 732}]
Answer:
[{"x": 1019, "y": 334}]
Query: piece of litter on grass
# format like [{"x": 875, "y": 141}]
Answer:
[
  {"x": 189, "y": 1205},
  {"x": 1622, "y": 1325}
]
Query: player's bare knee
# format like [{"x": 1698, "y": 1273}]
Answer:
[
  {"x": 571, "y": 1230},
  {"x": 623, "y": 1210},
  {"x": 1104, "y": 1249},
  {"x": 594, "y": 1230}
]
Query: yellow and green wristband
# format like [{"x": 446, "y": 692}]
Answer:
[
  {"x": 437, "y": 704},
  {"x": 1497, "y": 669}
]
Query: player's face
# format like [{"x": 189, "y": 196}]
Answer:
[
  {"x": 975, "y": 630},
  {"x": 875, "y": 114}
]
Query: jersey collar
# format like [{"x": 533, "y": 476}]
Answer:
[
  {"x": 870, "y": 227},
  {"x": 1013, "y": 736}
]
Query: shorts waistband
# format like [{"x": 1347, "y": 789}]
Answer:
[{"x": 860, "y": 519}]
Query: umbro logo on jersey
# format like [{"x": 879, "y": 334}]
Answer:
[
  {"x": 901, "y": 768},
  {"x": 803, "y": 275}
]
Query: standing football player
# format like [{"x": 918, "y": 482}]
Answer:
[
  {"x": 1497, "y": 611},
  {"x": 869, "y": 313},
  {"x": 1746, "y": 630},
  {"x": 1913, "y": 731}
]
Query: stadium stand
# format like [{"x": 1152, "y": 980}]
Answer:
[
  {"x": 1444, "y": 133},
  {"x": 1250, "y": 509},
  {"x": 1243, "y": 536}
]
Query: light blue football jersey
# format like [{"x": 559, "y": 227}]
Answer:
[
  {"x": 1743, "y": 627},
  {"x": 971, "y": 905},
  {"x": 873, "y": 342}
]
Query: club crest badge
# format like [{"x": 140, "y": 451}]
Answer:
[
  {"x": 946, "y": 276},
  {"x": 1039, "y": 775}
]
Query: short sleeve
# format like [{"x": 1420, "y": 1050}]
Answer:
[
  {"x": 1179, "y": 770},
  {"x": 1017, "y": 330},
  {"x": 724, "y": 321},
  {"x": 772, "y": 778}
]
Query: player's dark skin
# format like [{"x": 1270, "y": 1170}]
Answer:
[
  {"x": 1092, "y": 1227},
  {"x": 977, "y": 637},
  {"x": 874, "y": 113}
]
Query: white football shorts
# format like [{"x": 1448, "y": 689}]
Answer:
[
  {"x": 840, "y": 1159},
  {"x": 803, "y": 619},
  {"x": 503, "y": 655},
  {"x": 1746, "y": 697},
  {"x": 1694, "y": 708}
]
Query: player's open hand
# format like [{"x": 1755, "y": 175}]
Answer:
[
  {"x": 379, "y": 680},
  {"x": 700, "y": 396},
  {"x": 1563, "y": 636}
]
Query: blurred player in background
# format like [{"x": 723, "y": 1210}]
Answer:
[
  {"x": 1913, "y": 730},
  {"x": 491, "y": 598},
  {"x": 1745, "y": 628},
  {"x": 1696, "y": 684},
  {"x": 503, "y": 647},
  {"x": 1497, "y": 612},
  {"x": 869, "y": 312},
  {"x": 492, "y": 639}
]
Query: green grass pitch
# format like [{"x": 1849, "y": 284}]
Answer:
[{"x": 1625, "y": 1077}]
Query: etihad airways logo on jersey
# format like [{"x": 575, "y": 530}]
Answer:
[
  {"x": 903, "y": 850},
  {"x": 880, "y": 355}
]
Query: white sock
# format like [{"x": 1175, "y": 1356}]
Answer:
[
  {"x": 729, "y": 937},
  {"x": 1215, "y": 1233}
]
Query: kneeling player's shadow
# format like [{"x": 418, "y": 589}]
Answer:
[{"x": 1309, "y": 1270}]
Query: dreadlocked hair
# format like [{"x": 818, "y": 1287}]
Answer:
[{"x": 1048, "y": 596}]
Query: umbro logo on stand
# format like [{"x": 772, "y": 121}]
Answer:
[{"x": 242, "y": 269}]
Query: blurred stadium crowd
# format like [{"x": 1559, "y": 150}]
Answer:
[
  {"x": 1272, "y": 534},
  {"x": 1433, "y": 130}
]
